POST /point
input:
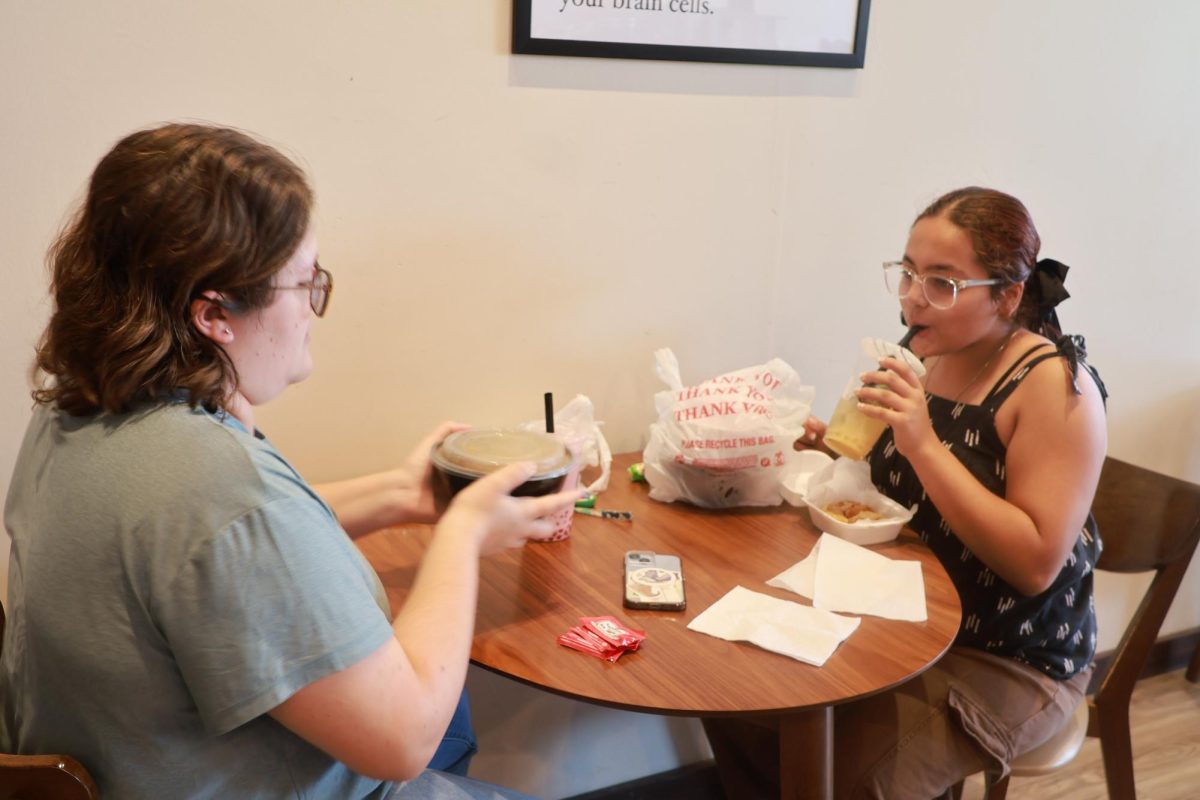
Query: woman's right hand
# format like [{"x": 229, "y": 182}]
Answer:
[{"x": 498, "y": 520}]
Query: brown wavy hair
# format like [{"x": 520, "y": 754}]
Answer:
[
  {"x": 1005, "y": 241},
  {"x": 170, "y": 212}
]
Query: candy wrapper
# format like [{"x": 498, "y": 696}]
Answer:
[{"x": 603, "y": 637}]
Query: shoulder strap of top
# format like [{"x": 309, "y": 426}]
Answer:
[
  {"x": 1001, "y": 393},
  {"x": 1013, "y": 368}
]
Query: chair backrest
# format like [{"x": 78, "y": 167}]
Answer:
[
  {"x": 43, "y": 777},
  {"x": 1147, "y": 521}
]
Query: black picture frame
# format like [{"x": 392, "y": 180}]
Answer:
[{"x": 525, "y": 43}]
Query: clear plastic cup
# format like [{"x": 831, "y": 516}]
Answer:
[
  {"x": 464, "y": 456},
  {"x": 850, "y": 432}
]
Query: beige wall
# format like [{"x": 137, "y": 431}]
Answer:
[{"x": 503, "y": 226}]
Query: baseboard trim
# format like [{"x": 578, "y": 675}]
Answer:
[
  {"x": 1168, "y": 654},
  {"x": 699, "y": 781}
]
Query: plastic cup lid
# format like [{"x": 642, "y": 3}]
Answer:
[
  {"x": 878, "y": 348},
  {"x": 483, "y": 450}
]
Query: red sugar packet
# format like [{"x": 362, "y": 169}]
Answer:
[
  {"x": 602, "y": 637},
  {"x": 578, "y": 638},
  {"x": 611, "y": 629}
]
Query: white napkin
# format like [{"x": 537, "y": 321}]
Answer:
[
  {"x": 841, "y": 576},
  {"x": 781, "y": 626}
]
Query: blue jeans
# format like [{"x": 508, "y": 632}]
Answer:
[{"x": 458, "y": 744}]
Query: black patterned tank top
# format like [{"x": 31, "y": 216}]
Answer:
[{"x": 1054, "y": 631}]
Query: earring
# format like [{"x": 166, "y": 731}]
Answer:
[{"x": 228, "y": 331}]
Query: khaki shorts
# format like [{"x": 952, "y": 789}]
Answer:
[{"x": 967, "y": 713}]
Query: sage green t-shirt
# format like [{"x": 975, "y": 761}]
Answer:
[{"x": 172, "y": 579}]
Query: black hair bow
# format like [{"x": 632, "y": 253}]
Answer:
[{"x": 1050, "y": 276}]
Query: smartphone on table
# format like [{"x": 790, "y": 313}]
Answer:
[{"x": 653, "y": 581}]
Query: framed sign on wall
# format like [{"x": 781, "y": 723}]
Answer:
[{"x": 810, "y": 33}]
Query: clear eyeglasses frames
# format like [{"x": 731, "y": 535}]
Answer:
[{"x": 940, "y": 291}]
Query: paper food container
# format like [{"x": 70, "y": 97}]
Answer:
[{"x": 816, "y": 481}]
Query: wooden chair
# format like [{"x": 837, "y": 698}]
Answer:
[
  {"x": 43, "y": 777},
  {"x": 1148, "y": 522}
]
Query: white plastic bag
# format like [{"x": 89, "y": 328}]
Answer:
[
  {"x": 575, "y": 423},
  {"x": 728, "y": 441}
]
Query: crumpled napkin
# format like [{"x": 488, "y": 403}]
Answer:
[
  {"x": 781, "y": 626},
  {"x": 841, "y": 576}
]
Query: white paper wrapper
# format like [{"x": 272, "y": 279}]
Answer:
[{"x": 879, "y": 348}]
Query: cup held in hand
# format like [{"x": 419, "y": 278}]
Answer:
[
  {"x": 463, "y": 456},
  {"x": 565, "y": 518},
  {"x": 851, "y": 433}
]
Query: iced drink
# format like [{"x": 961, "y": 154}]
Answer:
[{"x": 852, "y": 433}]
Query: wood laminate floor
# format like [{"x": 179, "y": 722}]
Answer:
[
  {"x": 1165, "y": 721},
  {"x": 1165, "y": 718}
]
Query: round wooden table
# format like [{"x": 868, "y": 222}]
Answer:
[{"x": 528, "y": 597}]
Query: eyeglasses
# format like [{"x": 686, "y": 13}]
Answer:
[
  {"x": 319, "y": 289},
  {"x": 940, "y": 291}
]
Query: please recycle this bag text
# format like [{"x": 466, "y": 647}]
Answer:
[{"x": 727, "y": 441}]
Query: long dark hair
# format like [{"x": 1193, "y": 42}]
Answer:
[{"x": 170, "y": 212}]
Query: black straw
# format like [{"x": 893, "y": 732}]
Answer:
[
  {"x": 908, "y": 337},
  {"x": 549, "y": 398}
]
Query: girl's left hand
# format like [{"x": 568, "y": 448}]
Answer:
[
  {"x": 813, "y": 437},
  {"x": 901, "y": 405}
]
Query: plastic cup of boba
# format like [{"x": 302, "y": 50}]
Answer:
[{"x": 464, "y": 456}]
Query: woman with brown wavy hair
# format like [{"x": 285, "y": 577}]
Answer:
[{"x": 187, "y": 616}]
